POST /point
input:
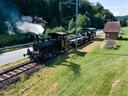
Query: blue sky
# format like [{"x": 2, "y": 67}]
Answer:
[{"x": 117, "y": 7}]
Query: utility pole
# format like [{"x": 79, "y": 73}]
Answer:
[
  {"x": 76, "y": 23},
  {"x": 76, "y": 4}
]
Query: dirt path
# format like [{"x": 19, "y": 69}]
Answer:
[{"x": 92, "y": 44}]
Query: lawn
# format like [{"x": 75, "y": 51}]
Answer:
[{"x": 96, "y": 73}]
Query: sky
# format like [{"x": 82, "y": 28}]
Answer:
[{"x": 117, "y": 7}]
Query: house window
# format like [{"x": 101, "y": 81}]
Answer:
[{"x": 107, "y": 35}]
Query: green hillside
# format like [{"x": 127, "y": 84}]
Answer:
[{"x": 121, "y": 17}]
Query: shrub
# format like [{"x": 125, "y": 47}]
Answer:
[
  {"x": 19, "y": 38},
  {"x": 71, "y": 24},
  {"x": 73, "y": 31},
  {"x": 58, "y": 29},
  {"x": 110, "y": 44},
  {"x": 47, "y": 32}
]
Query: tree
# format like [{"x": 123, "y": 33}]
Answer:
[
  {"x": 54, "y": 22},
  {"x": 83, "y": 21},
  {"x": 48, "y": 9},
  {"x": 52, "y": 10},
  {"x": 124, "y": 22},
  {"x": 87, "y": 21},
  {"x": 85, "y": 7},
  {"x": 97, "y": 8},
  {"x": 71, "y": 24},
  {"x": 121, "y": 23}
]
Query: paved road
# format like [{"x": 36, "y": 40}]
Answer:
[{"x": 12, "y": 56}]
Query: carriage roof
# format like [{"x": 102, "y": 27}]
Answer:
[{"x": 59, "y": 33}]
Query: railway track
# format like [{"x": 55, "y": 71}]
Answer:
[{"x": 13, "y": 74}]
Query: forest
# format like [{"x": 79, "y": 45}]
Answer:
[
  {"x": 60, "y": 14},
  {"x": 94, "y": 15}
]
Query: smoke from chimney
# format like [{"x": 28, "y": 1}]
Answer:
[
  {"x": 12, "y": 19},
  {"x": 26, "y": 19},
  {"x": 30, "y": 27}
]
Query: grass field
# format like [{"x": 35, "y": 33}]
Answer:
[{"x": 96, "y": 73}]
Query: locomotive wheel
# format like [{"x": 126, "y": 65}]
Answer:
[
  {"x": 84, "y": 41},
  {"x": 36, "y": 58}
]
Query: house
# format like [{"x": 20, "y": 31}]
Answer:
[
  {"x": 111, "y": 30},
  {"x": 38, "y": 20}
]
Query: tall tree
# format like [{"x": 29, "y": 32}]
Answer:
[
  {"x": 71, "y": 24},
  {"x": 124, "y": 22},
  {"x": 85, "y": 6},
  {"x": 48, "y": 9},
  {"x": 54, "y": 22},
  {"x": 83, "y": 21}
]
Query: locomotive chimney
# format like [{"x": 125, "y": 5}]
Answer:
[{"x": 36, "y": 38}]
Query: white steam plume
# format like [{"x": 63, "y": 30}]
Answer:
[
  {"x": 10, "y": 28},
  {"x": 27, "y": 19},
  {"x": 11, "y": 17},
  {"x": 29, "y": 27}
]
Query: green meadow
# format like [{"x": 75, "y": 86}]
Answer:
[{"x": 96, "y": 73}]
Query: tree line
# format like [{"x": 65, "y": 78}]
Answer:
[
  {"x": 58, "y": 13},
  {"x": 123, "y": 20}
]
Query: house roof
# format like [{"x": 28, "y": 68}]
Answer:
[
  {"x": 39, "y": 20},
  {"x": 112, "y": 27}
]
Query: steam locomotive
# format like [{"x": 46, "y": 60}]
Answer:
[{"x": 56, "y": 43}]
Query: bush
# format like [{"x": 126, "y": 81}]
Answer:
[
  {"x": 47, "y": 32},
  {"x": 71, "y": 24},
  {"x": 73, "y": 31},
  {"x": 19, "y": 38},
  {"x": 110, "y": 44},
  {"x": 58, "y": 29}
]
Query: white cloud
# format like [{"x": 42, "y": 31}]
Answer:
[
  {"x": 119, "y": 10},
  {"x": 117, "y": 7},
  {"x": 116, "y": 13}
]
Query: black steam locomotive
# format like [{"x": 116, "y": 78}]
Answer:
[{"x": 56, "y": 43}]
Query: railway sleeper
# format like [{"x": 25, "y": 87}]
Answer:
[{"x": 8, "y": 81}]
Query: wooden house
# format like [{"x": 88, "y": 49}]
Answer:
[{"x": 111, "y": 30}]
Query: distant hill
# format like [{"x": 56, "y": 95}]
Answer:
[{"x": 121, "y": 17}]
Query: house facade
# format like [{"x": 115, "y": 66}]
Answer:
[{"x": 111, "y": 30}]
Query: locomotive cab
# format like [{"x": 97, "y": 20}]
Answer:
[{"x": 61, "y": 38}]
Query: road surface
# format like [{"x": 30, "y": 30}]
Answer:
[{"x": 12, "y": 56}]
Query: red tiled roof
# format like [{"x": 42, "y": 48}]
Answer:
[{"x": 112, "y": 27}]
